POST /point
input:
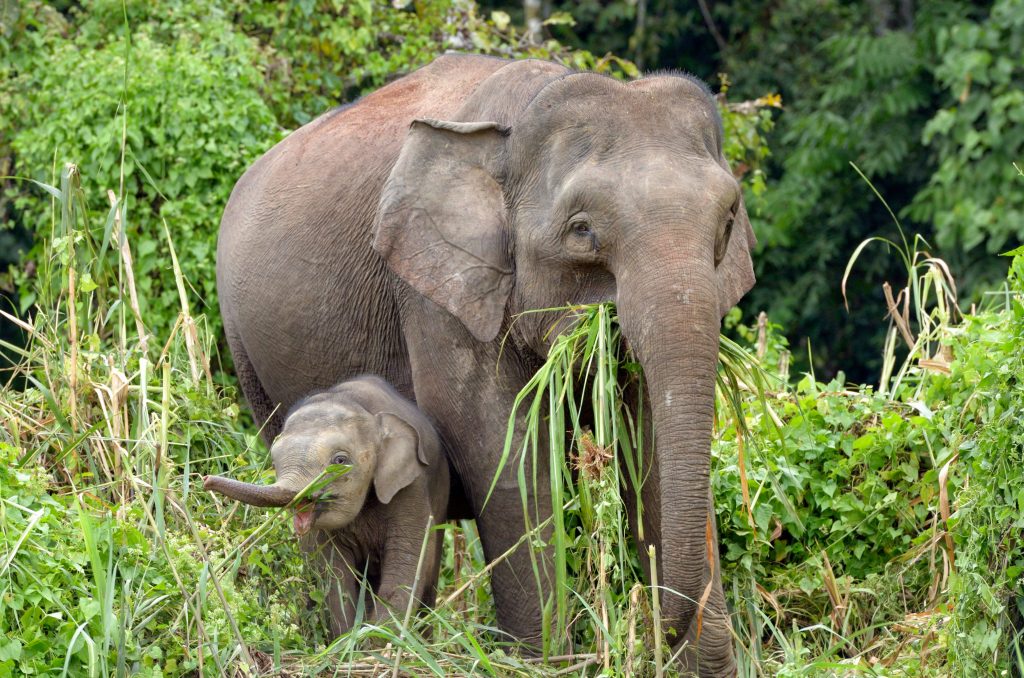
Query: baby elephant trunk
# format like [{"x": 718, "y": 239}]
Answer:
[{"x": 254, "y": 495}]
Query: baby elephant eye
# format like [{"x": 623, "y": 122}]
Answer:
[{"x": 340, "y": 459}]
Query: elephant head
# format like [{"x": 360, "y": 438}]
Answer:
[
  {"x": 326, "y": 429},
  {"x": 587, "y": 189}
]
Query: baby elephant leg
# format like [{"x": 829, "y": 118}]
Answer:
[
  {"x": 403, "y": 574},
  {"x": 337, "y": 570}
]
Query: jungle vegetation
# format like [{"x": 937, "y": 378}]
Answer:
[{"x": 870, "y": 435}]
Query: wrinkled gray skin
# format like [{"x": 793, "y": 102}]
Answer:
[
  {"x": 401, "y": 235},
  {"x": 390, "y": 447}
]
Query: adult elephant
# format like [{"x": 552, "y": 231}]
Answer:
[{"x": 401, "y": 236}]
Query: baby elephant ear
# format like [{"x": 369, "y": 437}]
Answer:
[
  {"x": 441, "y": 220},
  {"x": 400, "y": 460}
]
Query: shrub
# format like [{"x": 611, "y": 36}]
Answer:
[
  {"x": 972, "y": 196},
  {"x": 191, "y": 118},
  {"x": 984, "y": 400}
]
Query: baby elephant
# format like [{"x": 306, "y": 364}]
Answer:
[{"x": 384, "y": 441}]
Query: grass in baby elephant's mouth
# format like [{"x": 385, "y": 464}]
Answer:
[{"x": 314, "y": 491}]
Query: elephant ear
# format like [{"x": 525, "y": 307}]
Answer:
[
  {"x": 441, "y": 221},
  {"x": 400, "y": 460},
  {"x": 735, "y": 273}
]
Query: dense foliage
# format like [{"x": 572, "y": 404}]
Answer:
[
  {"x": 862, "y": 528},
  {"x": 857, "y": 526},
  {"x": 914, "y": 103},
  {"x": 873, "y": 509},
  {"x": 972, "y": 198}
]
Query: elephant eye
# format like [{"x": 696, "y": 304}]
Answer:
[
  {"x": 580, "y": 226},
  {"x": 341, "y": 459}
]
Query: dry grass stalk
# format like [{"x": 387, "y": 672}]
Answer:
[
  {"x": 659, "y": 669},
  {"x": 900, "y": 317},
  {"x": 632, "y": 614},
  {"x": 762, "y": 335},
  {"x": 460, "y": 556},
  {"x": 197, "y": 359},
  {"x": 839, "y": 600},
  {"x": 67, "y": 206},
  {"x": 709, "y": 543},
  {"x": 944, "y": 506},
  {"x": 129, "y": 272}
]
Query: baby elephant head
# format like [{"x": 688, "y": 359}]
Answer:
[{"x": 329, "y": 429}]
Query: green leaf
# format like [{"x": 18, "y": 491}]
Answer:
[
  {"x": 560, "y": 19},
  {"x": 501, "y": 19}
]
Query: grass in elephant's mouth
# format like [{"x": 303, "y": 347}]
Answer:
[{"x": 316, "y": 489}]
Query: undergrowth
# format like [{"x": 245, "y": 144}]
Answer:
[{"x": 862, "y": 529}]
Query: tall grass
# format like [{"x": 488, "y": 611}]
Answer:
[
  {"x": 923, "y": 311},
  {"x": 114, "y": 419},
  {"x": 107, "y": 444},
  {"x": 576, "y": 411},
  {"x": 125, "y": 423},
  {"x": 111, "y": 554}
]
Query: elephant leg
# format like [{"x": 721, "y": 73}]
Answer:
[
  {"x": 337, "y": 568},
  {"x": 458, "y": 389},
  {"x": 264, "y": 412},
  {"x": 400, "y": 565},
  {"x": 521, "y": 582}
]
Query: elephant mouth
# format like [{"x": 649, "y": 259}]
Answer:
[
  {"x": 303, "y": 519},
  {"x": 306, "y": 512}
]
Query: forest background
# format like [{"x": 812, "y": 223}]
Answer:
[
  {"x": 844, "y": 527},
  {"x": 925, "y": 98}
]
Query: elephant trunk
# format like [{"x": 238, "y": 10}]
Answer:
[
  {"x": 255, "y": 495},
  {"x": 669, "y": 314}
]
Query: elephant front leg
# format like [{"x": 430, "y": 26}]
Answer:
[
  {"x": 514, "y": 523},
  {"x": 522, "y": 581},
  {"x": 409, "y": 568},
  {"x": 469, "y": 390},
  {"x": 336, "y": 567},
  {"x": 515, "y": 527}
]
